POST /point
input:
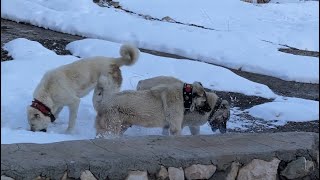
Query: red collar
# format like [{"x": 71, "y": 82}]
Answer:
[{"x": 43, "y": 109}]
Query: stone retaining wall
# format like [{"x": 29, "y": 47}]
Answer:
[{"x": 230, "y": 156}]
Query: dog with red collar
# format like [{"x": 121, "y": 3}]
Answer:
[{"x": 65, "y": 85}]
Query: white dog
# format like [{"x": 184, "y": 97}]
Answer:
[
  {"x": 65, "y": 85},
  {"x": 161, "y": 106},
  {"x": 216, "y": 110}
]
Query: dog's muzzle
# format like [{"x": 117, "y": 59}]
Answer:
[{"x": 204, "y": 109}]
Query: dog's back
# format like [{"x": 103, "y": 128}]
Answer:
[{"x": 134, "y": 107}]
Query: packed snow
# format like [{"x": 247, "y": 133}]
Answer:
[
  {"x": 284, "y": 109},
  {"x": 246, "y": 36},
  {"x": 19, "y": 79}
]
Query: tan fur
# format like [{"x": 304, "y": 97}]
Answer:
[
  {"x": 160, "y": 106},
  {"x": 194, "y": 119},
  {"x": 65, "y": 85}
]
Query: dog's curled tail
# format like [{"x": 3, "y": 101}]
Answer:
[{"x": 129, "y": 55}]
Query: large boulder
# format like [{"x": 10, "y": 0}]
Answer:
[
  {"x": 259, "y": 170},
  {"x": 298, "y": 168}
]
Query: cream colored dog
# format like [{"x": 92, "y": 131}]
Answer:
[
  {"x": 217, "y": 116},
  {"x": 65, "y": 85},
  {"x": 161, "y": 106}
]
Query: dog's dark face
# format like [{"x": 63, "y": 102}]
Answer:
[
  {"x": 220, "y": 117},
  {"x": 199, "y": 96},
  {"x": 204, "y": 109}
]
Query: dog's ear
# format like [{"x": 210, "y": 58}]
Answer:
[
  {"x": 198, "y": 88},
  {"x": 224, "y": 104}
]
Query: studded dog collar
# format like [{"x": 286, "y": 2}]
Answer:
[{"x": 187, "y": 96}]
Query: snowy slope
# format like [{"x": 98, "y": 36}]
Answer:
[
  {"x": 240, "y": 46},
  {"x": 281, "y": 23}
]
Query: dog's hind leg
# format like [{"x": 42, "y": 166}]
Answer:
[
  {"x": 73, "y": 111},
  {"x": 194, "y": 130},
  {"x": 173, "y": 115}
]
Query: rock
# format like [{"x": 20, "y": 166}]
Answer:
[
  {"x": 65, "y": 176},
  {"x": 259, "y": 170},
  {"x": 176, "y": 173},
  {"x": 41, "y": 178},
  {"x": 137, "y": 175},
  {"x": 232, "y": 175},
  {"x": 87, "y": 175},
  {"x": 6, "y": 178},
  {"x": 318, "y": 159},
  {"x": 199, "y": 171},
  {"x": 257, "y": 1},
  {"x": 163, "y": 173},
  {"x": 298, "y": 168},
  {"x": 168, "y": 19},
  {"x": 114, "y": 4},
  {"x": 148, "y": 17}
]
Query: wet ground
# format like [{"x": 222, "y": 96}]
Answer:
[{"x": 57, "y": 41}]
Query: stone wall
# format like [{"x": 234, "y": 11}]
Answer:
[{"x": 229, "y": 156}]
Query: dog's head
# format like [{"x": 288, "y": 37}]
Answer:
[
  {"x": 106, "y": 85},
  {"x": 199, "y": 96},
  {"x": 220, "y": 117},
  {"x": 37, "y": 120}
]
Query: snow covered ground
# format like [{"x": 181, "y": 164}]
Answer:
[
  {"x": 238, "y": 41},
  {"x": 20, "y": 76}
]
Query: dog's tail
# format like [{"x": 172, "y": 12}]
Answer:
[{"x": 129, "y": 55}]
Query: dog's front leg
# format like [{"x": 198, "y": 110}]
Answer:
[
  {"x": 73, "y": 111},
  {"x": 57, "y": 112}
]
